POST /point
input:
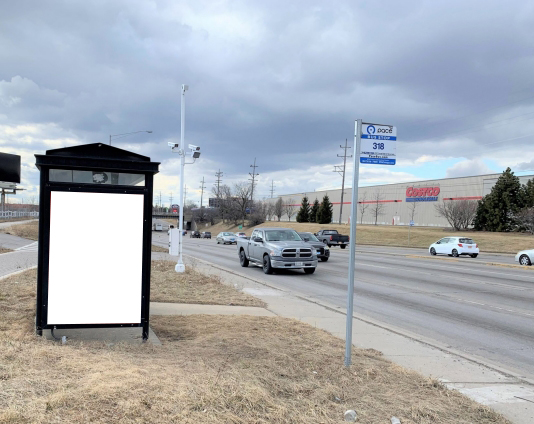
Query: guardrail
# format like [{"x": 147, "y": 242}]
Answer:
[{"x": 17, "y": 214}]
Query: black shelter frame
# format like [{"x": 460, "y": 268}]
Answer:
[{"x": 100, "y": 158}]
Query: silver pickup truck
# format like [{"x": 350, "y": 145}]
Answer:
[{"x": 276, "y": 248}]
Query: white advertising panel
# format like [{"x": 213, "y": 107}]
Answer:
[
  {"x": 95, "y": 264},
  {"x": 379, "y": 144}
]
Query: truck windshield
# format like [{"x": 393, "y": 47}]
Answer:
[
  {"x": 309, "y": 236},
  {"x": 282, "y": 235}
]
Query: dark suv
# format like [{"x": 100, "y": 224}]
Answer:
[
  {"x": 206, "y": 234},
  {"x": 194, "y": 234}
]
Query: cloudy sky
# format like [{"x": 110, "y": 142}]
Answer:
[{"x": 278, "y": 81}]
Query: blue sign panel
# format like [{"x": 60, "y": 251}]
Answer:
[
  {"x": 422, "y": 199},
  {"x": 378, "y": 161}
]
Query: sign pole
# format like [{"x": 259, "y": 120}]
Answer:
[{"x": 352, "y": 245}]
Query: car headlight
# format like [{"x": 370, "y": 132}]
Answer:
[{"x": 276, "y": 252}]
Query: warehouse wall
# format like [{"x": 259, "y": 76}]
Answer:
[{"x": 396, "y": 204}]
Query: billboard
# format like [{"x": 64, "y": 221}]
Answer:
[
  {"x": 9, "y": 168},
  {"x": 95, "y": 267}
]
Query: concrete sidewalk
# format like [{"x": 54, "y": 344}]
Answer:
[{"x": 505, "y": 392}]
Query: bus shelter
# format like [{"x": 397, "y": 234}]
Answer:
[{"x": 95, "y": 216}]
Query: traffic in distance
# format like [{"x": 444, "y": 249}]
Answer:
[{"x": 321, "y": 242}]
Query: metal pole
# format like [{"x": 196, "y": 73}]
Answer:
[
  {"x": 180, "y": 267},
  {"x": 352, "y": 244}
]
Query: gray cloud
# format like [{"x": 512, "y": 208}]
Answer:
[{"x": 279, "y": 81}]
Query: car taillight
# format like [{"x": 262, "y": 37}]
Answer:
[
  {"x": 331, "y": 238},
  {"x": 460, "y": 245},
  {"x": 349, "y": 238},
  {"x": 476, "y": 245}
]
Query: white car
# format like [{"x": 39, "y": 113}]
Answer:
[
  {"x": 226, "y": 237},
  {"x": 455, "y": 246},
  {"x": 525, "y": 257}
]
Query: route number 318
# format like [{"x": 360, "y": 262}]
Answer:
[{"x": 378, "y": 146}]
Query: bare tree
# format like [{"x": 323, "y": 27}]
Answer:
[
  {"x": 269, "y": 211},
  {"x": 362, "y": 206},
  {"x": 525, "y": 219},
  {"x": 242, "y": 193},
  {"x": 289, "y": 208},
  {"x": 377, "y": 207},
  {"x": 412, "y": 209},
  {"x": 459, "y": 214},
  {"x": 259, "y": 213},
  {"x": 228, "y": 208},
  {"x": 278, "y": 208}
]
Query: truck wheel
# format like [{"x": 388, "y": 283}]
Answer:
[
  {"x": 343, "y": 246},
  {"x": 243, "y": 259},
  {"x": 309, "y": 270},
  {"x": 324, "y": 258},
  {"x": 267, "y": 268}
]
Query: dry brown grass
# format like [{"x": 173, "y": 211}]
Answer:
[
  {"x": 23, "y": 218},
  {"x": 220, "y": 369},
  {"x": 384, "y": 235},
  {"x": 193, "y": 287},
  {"x": 4, "y": 250},
  {"x": 28, "y": 230}
]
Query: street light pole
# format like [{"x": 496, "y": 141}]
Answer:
[{"x": 180, "y": 267}]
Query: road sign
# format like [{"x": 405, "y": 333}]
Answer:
[
  {"x": 412, "y": 223},
  {"x": 378, "y": 144}
]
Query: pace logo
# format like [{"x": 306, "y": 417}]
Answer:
[{"x": 371, "y": 129}]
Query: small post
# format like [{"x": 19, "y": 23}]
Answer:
[{"x": 352, "y": 244}]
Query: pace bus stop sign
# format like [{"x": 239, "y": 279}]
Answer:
[{"x": 378, "y": 144}]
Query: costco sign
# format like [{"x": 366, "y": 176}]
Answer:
[{"x": 422, "y": 194}]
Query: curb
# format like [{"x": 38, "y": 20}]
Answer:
[{"x": 17, "y": 272}]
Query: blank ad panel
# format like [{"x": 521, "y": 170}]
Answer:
[{"x": 95, "y": 264}]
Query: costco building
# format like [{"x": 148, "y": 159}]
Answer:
[{"x": 397, "y": 202}]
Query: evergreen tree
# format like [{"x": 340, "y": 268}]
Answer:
[
  {"x": 304, "y": 212},
  {"x": 324, "y": 215},
  {"x": 496, "y": 210},
  {"x": 528, "y": 190},
  {"x": 313, "y": 211}
]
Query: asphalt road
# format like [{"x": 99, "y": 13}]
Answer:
[{"x": 465, "y": 304}]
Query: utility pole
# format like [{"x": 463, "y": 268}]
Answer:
[
  {"x": 218, "y": 181},
  {"x": 341, "y": 171},
  {"x": 185, "y": 194},
  {"x": 253, "y": 175},
  {"x": 272, "y": 188},
  {"x": 202, "y": 187}
]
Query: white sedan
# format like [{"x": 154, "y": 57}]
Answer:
[
  {"x": 226, "y": 237},
  {"x": 525, "y": 257},
  {"x": 455, "y": 246}
]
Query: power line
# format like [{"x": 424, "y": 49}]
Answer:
[
  {"x": 253, "y": 175},
  {"x": 342, "y": 173},
  {"x": 218, "y": 181},
  {"x": 202, "y": 187}
]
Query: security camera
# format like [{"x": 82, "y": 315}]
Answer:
[
  {"x": 195, "y": 151},
  {"x": 173, "y": 145}
]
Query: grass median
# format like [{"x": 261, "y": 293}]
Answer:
[
  {"x": 29, "y": 230},
  {"x": 397, "y": 236},
  {"x": 227, "y": 369}
]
